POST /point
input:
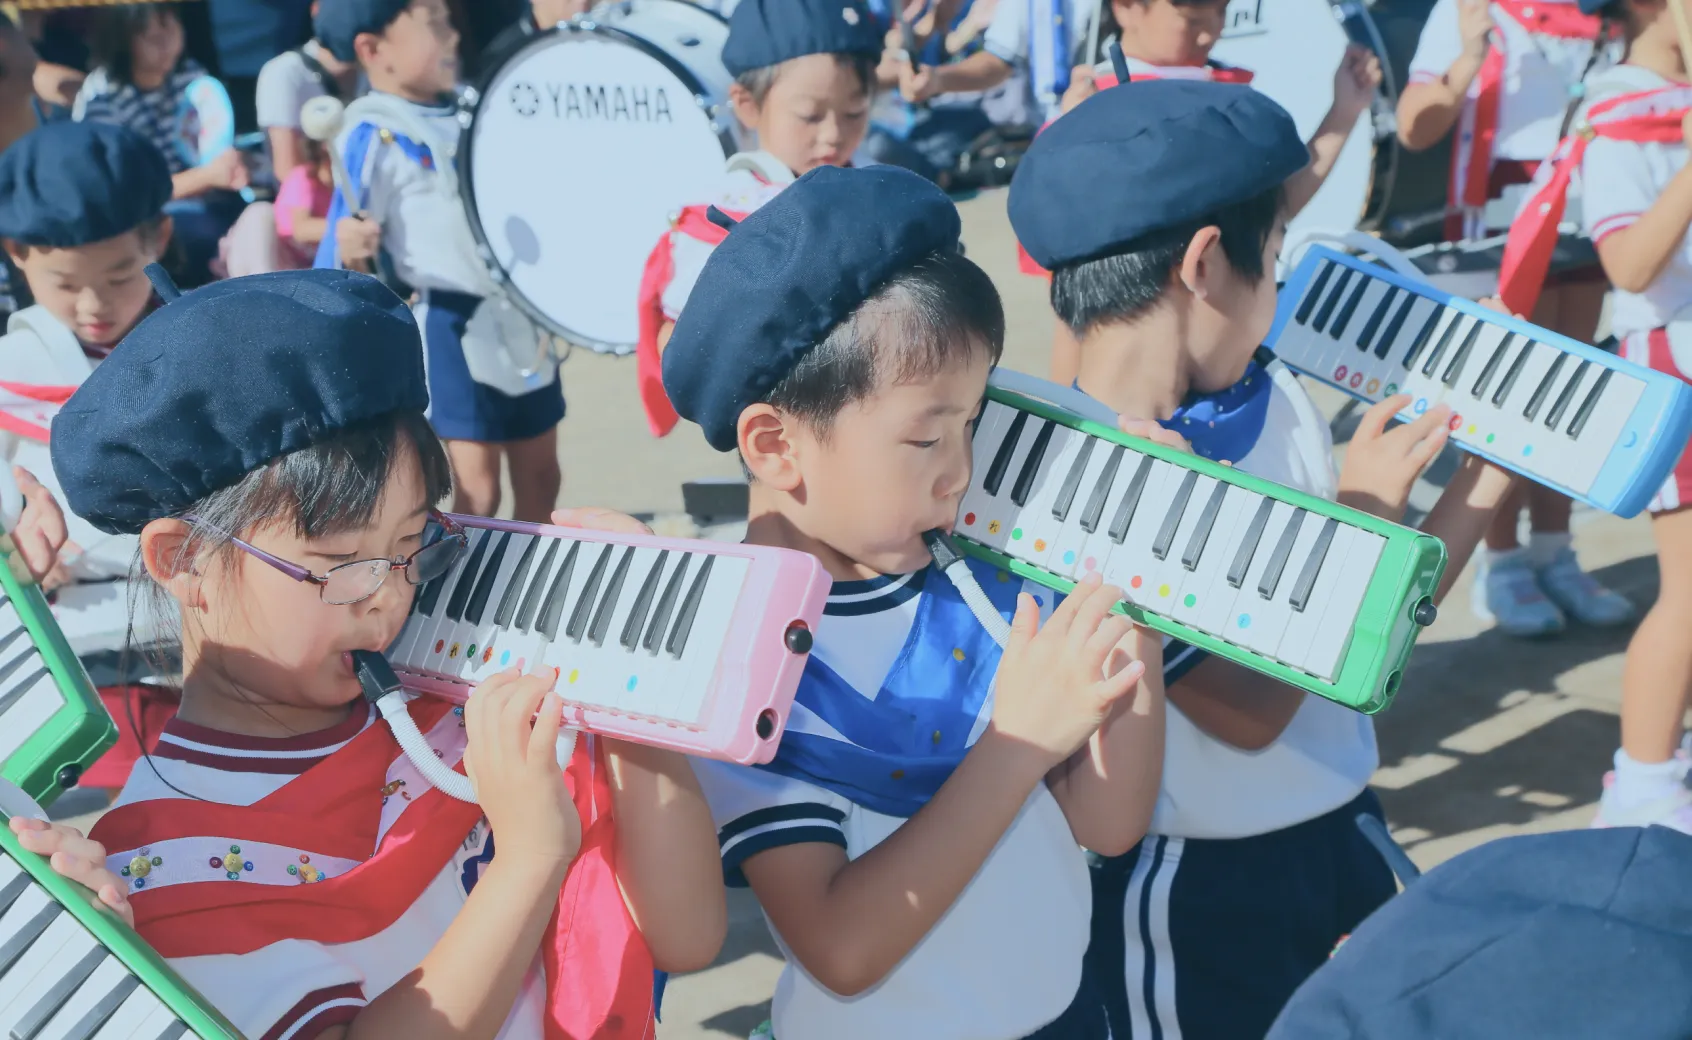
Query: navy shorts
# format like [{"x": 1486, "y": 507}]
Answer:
[
  {"x": 1208, "y": 939},
  {"x": 461, "y": 409}
]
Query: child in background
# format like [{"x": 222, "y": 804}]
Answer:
[
  {"x": 495, "y": 396},
  {"x": 80, "y": 217},
  {"x": 914, "y": 842},
  {"x": 1254, "y": 866},
  {"x": 804, "y": 76},
  {"x": 1503, "y": 76},
  {"x": 302, "y": 204},
  {"x": 1628, "y": 152},
  {"x": 285, "y": 84},
  {"x": 144, "y": 82},
  {"x": 371, "y": 904}
]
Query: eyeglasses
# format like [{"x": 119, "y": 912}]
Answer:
[{"x": 357, "y": 581}]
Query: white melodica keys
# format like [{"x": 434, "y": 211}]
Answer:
[{"x": 29, "y": 696}]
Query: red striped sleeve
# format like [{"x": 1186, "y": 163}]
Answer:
[
  {"x": 318, "y": 1011},
  {"x": 1612, "y": 224}
]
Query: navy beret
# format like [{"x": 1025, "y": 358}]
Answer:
[
  {"x": 1576, "y": 934},
  {"x": 787, "y": 275},
  {"x": 763, "y": 33},
  {"x": 340, "y": 21},
  {"x": 1143, "y": 157},
  {"x": 228, "y": 378},
  {"x": 69, "y": 184}
]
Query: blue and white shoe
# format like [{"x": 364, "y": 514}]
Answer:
[
  {"x": 1508, "y": 594},
  {"x": 1580, "y": 596}
]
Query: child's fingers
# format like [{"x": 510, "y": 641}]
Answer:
[
  {"x": 84, "y": 870},
  {"x": 1024, "y": 624},
  {"x": 1113, "y": 688},
  {"x": 597, "y": 518},
  {"x": 1095, "y": 604},
  {"x": 1110, "y": 632},
  {"x": 113, "y": 896},
  {"x": 543, "y": 741},
  {"x": 517, "y": 714},
  {"x": 1375, "y": 419},
  {"x": 1422, "y": 454},
  {"x": 1147, "y": 429}
]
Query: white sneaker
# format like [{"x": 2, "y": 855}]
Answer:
[
  {"x": 1580, "y": 595},
  {"x": 1507, "y": 593}
]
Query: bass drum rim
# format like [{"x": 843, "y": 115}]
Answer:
[
  {"x": 583, "y": 26},
  {"x": 1396, "y": 168}
]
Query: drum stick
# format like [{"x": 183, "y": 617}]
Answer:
[{"x": 320, "y": 120}]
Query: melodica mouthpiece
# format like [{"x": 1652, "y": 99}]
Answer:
[
  {"x": 942, "y": 548},
  {"x": 375, "y": 674}
]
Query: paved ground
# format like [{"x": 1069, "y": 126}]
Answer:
[{"x": 1489, "y": 737}]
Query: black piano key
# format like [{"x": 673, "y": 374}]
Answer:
[
  {"x": 1460, "y": 360},
  {"x": 677, "y": 643},
  {"x": 1584, "y": 412},
  {"x": 48, "y": 1000},
  {"x": 174, "y": 1031},
  {"x": 1502, "y": 394},
  {"x": 1423, "y": 334},
  {"x": 1177, "y": 509},
  {"x": 1326, "y": 311},
  {"x": 643, "y": 603},
  {"x": 654, "y": 640},
  {"x": 1130, "y": 501},
  {"x": 514, "y": 588},
  {"x": 478, "y": 604},
  {"x": 1101, "y": 491},
  {"x": 582, "y": 613},
  {"x": 1431, "y": 362},
  {"x": 13, "y": 691},
  {"x": 552, "y": 610},
  {"x": 1395, "y": 326},
  {"x": 608, "y": 603},
  {"x": 1002, "y": 458},
  {"x": 89, "y": 1023},
  {"x": 429, "y": 596},
  {"x": 1543, "y": 390},
  {"x": 1306, "y": 583},
  {"x": 1490, "y": 369},
  {"x": 1072, "y": 483},
  {"x": 1278, "y": 561},
  {"x": 1024, "y": 485},
  {"x": 11, "y": 890},
  {"x": 537, "y": 587},
  {"x": 1201, "y": 533},
  {"x": 1248, "y": 544},
  {"x": 1308, "y": 304},
  {"x": 1566, "y": 395},
  {"x": 1373, "y": 325},
  {"x": 460, "y": 597},
  {"x": 27, "y": 933},
  {"x": 1343, "y": 318}
]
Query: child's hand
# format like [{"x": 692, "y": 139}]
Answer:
[
  {"x": 598, "y": 518},
  {"x": 1355, "y": 83},
  {"x": 40, "y": 533},
  {"x": 1156, "y": 432},
  {"x": 1474, "y": 24},
  {"x": 1382, "y": 465},
  {"x": 1083, "y": 84},
  {"x": 512, "y": 722},
  {"x": 917, "y": 83},
  {"x": 75, "y": 857},
  {"x": 1053, "y": 689},
  {"x": 229, "y": 171},
  {"x": 358, "y": 239}
]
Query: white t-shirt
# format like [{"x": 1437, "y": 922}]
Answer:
[
  {"x": 1619, "y": 181},
  {"x": 1538, "y": 71},
  {"x": 285, "y": 84},
  {"x": 308, "y": 986},
  {"x": 1327, "y": 753},
  {"x": 1005, "y": 959},
  {"x": 1012, "y": 35}
]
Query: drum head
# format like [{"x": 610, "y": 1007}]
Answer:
[
  {"x": 1294, "y": 47},
  {"x": 582, "y": 145}
]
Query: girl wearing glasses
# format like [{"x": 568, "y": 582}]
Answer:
[{"x": 277, "y": 847}]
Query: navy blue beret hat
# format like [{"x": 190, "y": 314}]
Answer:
[
  {"x": 768, "y": 32},
  {"x": 340, "y": 21},
  {"x": 69, "y": 184},
  {"x": 1579, "y": 934},
  {"x": 787, "y": 275},
  {"x": 1143, "y": 157},
  {"x": 226, "y": 379}
]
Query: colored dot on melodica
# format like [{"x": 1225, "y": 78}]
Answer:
[
  {"x": 1069, "y": 557},
  {"x": 969, "y": 519},
  {"x": 1190, "y": 600},
  {"x": 1134, "y": 582},
  {"x": 1245, "y": 620},
  {"x": 1163, "y": 590},
  {"x": 1016, "y": 534}
]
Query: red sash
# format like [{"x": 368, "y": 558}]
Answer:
[
  {"x": 599, "y": 972},
  {"x": 1477, "y": 129},
  {"x": 1210, "y": 71},
  {"x": 27, "y": 409},
  {"x": 660, "y": 268},
  {"x": 1644, "y": 116}
]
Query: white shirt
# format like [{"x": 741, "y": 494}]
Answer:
[
  {"x": 1012, "y": 34},
  {"x": 1004, "y": 960},
  {"x": 285, "y": 84},
  {"x": 1619, "y": 182},
  {"x": 1327, "y": 753},
  {"x": 749, "y": 180},
  {"x": 307, "y": 986},
  {"x": 1538, "y": 71}
]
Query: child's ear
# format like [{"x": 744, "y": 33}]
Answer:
[
  {"x": 365, "y": 46},
  {"x": 16, "y": 250},
  {"x": 1203, "y": 262},
  {"x": 766, "y": 446},
  {"x": 164, "y": 545},
  {"x": 158, "y": 240},
  {"x": 746, "y": 110}
]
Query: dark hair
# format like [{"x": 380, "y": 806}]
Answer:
[
  {"x": 935, "y": 313},
  {"x": 758, "y": 82},
  {"x": 1124, "y": 285},
  {"x": 114, "y": 35}
]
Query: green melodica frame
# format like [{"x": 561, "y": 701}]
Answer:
[
  {"x": 120, "y": 940},
  {"x": 55, "y": 755},
  {"x": 1402, "y": 587}
]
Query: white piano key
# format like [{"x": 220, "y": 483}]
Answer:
[
  {"x": 1579, "y": 460},
  {"x": 22, "y": 924},
  {"x": 460, "y": 632},
  {"x": 563, "y": 651},
  {"x": 1040, "y": 529},
  {"x": 1129, "y": 563},
  {"x": 1216, "y": 615},
  {"x": 1259, "y": 620},
  {"x": 1000, "y": 511},
  {"x": 1066, "y": 558},
  {"x": 660, "y": 684},
  {"x": 611, "y": 674},
  {"x": 26, "y": 705},
  {"x": 488, "y": 638},
  {"x": 1345, "y": 599},
  {"x": 1308, "y": 534},
  {"x": 27, "y": 975},
  {"x": 1168, "y": 578},
  {"x": 433, "y": 637},
  {"x": 161, "y": 1024},
  {"x": 989, "y": 433},
  {"x": 96, "y": 1000},
  {"x": 1304, "y": 626},
  {"x": 60, "y": 975},
  {"x": 131, "y": 1016},
  {"x": 697, "y": 665},
  {"x": 1206, "y": 583},
  {"x": 525, "y": 640}
]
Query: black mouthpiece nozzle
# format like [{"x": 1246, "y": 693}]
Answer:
[
  {"x": 375, "y": 674},
  {"x": 942, "y": 548}
]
